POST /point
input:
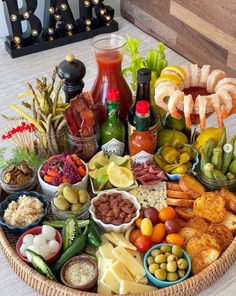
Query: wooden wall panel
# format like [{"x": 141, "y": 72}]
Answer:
[{"x": 198, "y": 35}]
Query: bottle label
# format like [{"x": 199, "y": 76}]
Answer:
[
  {"x": 153, "y": 130},
  {"x": 114, "y": 147},
  {"x": 142, "y": 157}
]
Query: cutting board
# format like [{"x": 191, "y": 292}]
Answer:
[{"x": 202, "y": 31}]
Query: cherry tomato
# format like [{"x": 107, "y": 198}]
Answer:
[
  {"x": 175, "y": 239},
  {"x": 172, "y": 226},
  {"x": 167, "y": 213},
  {"x": 134, "y": 235},
  {"x": 138, "y": 222},
  {"x": 159, "y": 232},
  {"x": 152, "y": 214},
  {"x": 146, "y": 227},
  {"x": 143, "y": 243}
]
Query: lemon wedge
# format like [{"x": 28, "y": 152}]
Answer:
[
  {"x": 168, "y": 77},
  {"x": 100, "y": 182},
  {"x": 98, "y": 172},
  {"x": 174, "y": 70},
  {"x": 119, "y": 160},
  {"x": 98, "y": 160},
  {"x": 118, "y": 176}
]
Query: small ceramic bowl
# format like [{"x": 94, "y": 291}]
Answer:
[
  {"x": 35, "y": 231},
  {"x": 176, "y": 177},
  {"x": 92, "y": 277},
  {"x": 15, "y": 197},
  {"x": 50, "y": 190},
  {"x": 164, "y": 284},
  {"x": 110, "y": 227}
]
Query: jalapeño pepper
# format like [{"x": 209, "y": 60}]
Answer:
[
  {"x": 61, "y": 223},
  {"x": 93, "y": 236},
  {"x": 69, "y": 232}
]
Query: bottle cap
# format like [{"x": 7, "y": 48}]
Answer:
[
  {"x": 144, "y": 75},
  {"x": 113, "y": 95},
  {"x": 142, "y": 107}
]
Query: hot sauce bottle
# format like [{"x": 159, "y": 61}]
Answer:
[
  {"x": 142, "y": 143},
  {"x": 113, "y": 130},
  {"x": 143, "y": 93}
]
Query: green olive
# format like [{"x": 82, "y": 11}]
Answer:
[
  {"x": 171, "y": 266},
  {"x": 61, "y": 187},
  {"x": 165, "y": 249},
  {"x": 172, "y": 276},
  {"x": 76, "y": 207},
  {"x": 150, "y": 260},
  {"x": 172, "y": 258},
  {"x": 160, "y": 258},
  {"x": 182, "y": 263},
  {"x": 167, "y": 254},
  {"x": 160, "y": 274},
  {"x": 70, "y": 194},
  {"x": 163, "y": 266},
  {"x": 154, "y": 253},
  {"x": 153, "y": 267},
  {"x": 181, "y": 272},
  {"x": 177, "y": 251},
  {"x": 61, "y": 203},
  {"x": 83, "y": 196}
]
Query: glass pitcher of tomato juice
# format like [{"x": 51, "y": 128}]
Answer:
[{"x": 109, "y": 49}]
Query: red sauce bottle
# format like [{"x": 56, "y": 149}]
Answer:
[{"x": 108, "y": 50}]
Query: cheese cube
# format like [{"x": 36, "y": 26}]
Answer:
[
  {"x": 110, "y": 281},
  {"x": 122, "y": 241},
  {"x": 120, "y": 272},
  {"x": 134, "y": 267},
  {"x": 106, "y": 251},
  {"x": 127, "y": 287}
]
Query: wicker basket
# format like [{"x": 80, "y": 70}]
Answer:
[{"x": 45, "y": 287}]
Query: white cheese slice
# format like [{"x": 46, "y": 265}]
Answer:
[
  {"x": 128, "y": 287},
  {"x": 122, "y": 241},
  {"x": 106, "y": 251},
  {"x": 120, "y": 272}
]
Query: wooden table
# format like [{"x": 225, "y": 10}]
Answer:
[{"x": 15, "y": 73}]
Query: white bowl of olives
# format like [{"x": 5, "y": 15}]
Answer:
[
  {"x": 166, "y": 265},
  {"x": 70, "y": 201}
]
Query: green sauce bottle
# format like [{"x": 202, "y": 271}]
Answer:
[{"x": 113, "y": 130}]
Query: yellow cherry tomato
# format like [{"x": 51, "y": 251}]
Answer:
[{"x": 146, "y": 227}]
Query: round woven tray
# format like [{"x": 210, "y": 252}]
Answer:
[{"x": 45, "y": 287}]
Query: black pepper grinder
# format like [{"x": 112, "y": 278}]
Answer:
[{"x": 73, "y": 71}]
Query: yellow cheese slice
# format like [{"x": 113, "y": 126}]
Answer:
[
  {"x": 103, "y": 290},
  {"x": 106, "y": 251},
  {"x": 133, "y": 265},
  {"x": 120, "y": 272},
  {"x": 122, "y": 241},
  {"x": 104, "y": 239},
  {"x": 110, "y": 281},
  {"x": 104, "y": 264},
  {"x": 128, "y": 287},
  {"x": 111, "y": 238},
  {"x": 128, "y": 231},
  {"x": 143, "y": 280},
  {"x": 136, "y": 255}
]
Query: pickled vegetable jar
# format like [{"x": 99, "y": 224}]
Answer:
[{"x": 109, "y": 49}]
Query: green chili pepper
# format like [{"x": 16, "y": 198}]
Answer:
[
  {"x": 219, "y": 176},
  {"x": 223, "y": 139},
  {"x": 77, "y": 247},
  {"x": 93, "y": 236},
  {"x": 39, "y": 264},
  {"x": 228, "y": 156},
  {"x": 204, "y": 160},
  {"x": 208, "y": 170},
  {"x": 69, "y": 232},
  {"x": 209, "y": 146},
  {"x": 232, "y": 167},
  {"x": 61, "y": 223},
  {"x": 230, "y": 176},
  {"x": 217, "y": 158}
]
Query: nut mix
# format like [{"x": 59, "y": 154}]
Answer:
[{"x": 112, "y": 208}]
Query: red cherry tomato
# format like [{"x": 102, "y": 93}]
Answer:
[
  {"x": 172, "y": 226},
  {"x": 153, "y": 214},
  {"x": 134, "y": 235},
  {"x": 143, "y": 243}
]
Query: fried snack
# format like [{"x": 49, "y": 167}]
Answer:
[
  {"x": 190, "y": 185},
  {"x": 199, "y": 224},
  {"x": 230, "y": 222},
  {"x": 185, "y": 213},
  {"x": 179, "y": 202},
  {"x": 230, "y": 200},
  {"x": 178, "y": 194},
  {"x": 222, "y": 234},
  {"x": 204, "y": 258},
  {"x": 188, "y": 232},
  {"x": 210, "y": 206},
  {"x": 197, "y": 242},
  {"x": 173, "y": 186}
]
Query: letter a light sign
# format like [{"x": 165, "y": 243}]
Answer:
[{"x": 58, "y": 27}]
